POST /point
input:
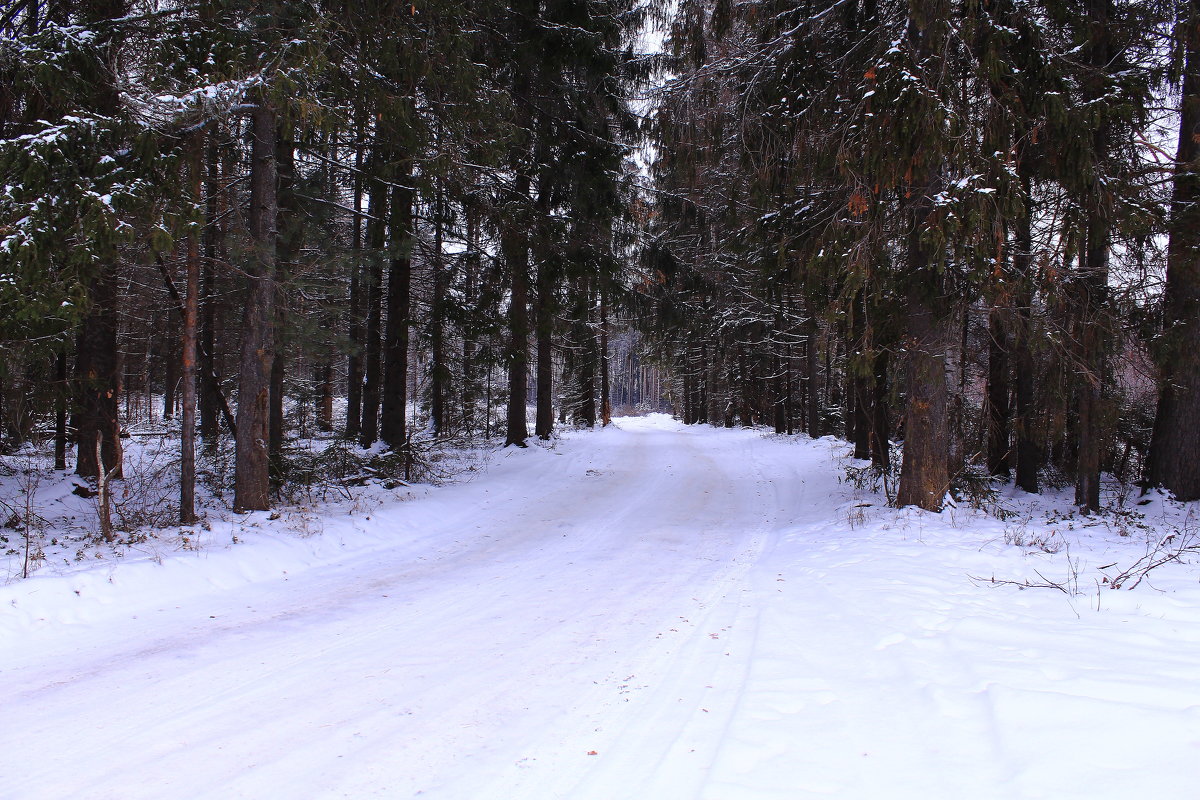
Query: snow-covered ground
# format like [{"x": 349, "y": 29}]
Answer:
[{"x": 650, "y": 612}]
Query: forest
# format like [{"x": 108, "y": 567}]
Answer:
[{"x": 961, "y": 235}]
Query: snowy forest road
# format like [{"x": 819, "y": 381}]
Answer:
[
  {"x": 653, "y": 612},
  {"x": 519, "y": 625}
]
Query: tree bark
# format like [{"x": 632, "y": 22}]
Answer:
[
  {"x": 469, "y": 346},
  {"x": 514, "y": 243},
  {"x": 1092, "y": 282},
  {"x": 393, "y": 423},
  {"x": 171, "y": 366},
  {"x": 812, "y": 398},
  {"x": 98, "y": 375},
  {"x": 191, "y": 310},
  {"x": 325, "y": 398},
  {"x": 1092, "y": 289},
  {"x": 98, "y": 361},
  {"x": 288, "y": 243},
  {"x": 544, "y": 324},
  {"x": 354, "y": 365},
  {"x": 1175, "y": 443},
  {"x": 544, "y": 304},
  {"x": 880, "y": 445},
  {"x": 924, "y": 469},
  {"x": 605, "y": 388},
  {"x": 585, "y": 343},
  {"x": 998, "y": 393},
  {"x": 439, "y": 369},
  {"x": 860, "y": 382},
  {"x": 1029, "y": 444},
  {"x": 275, "y": 421},
  {"x": 213, "y": 231},
  {"x": 780, "y": 371},
  {"x": 372, "y": 362},
  {"x": 61, "y": 391},
  {"x": 252, "y": 483}
]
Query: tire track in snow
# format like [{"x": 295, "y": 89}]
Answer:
[{"x": 416, "y": 667}]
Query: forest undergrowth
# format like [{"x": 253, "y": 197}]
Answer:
[
  {"x": 1135, "y": 531},
  {"x": 51, "y": 517}
]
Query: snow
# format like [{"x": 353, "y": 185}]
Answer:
[{"x": 649, "y": 611}]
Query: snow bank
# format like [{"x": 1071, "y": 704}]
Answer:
[{"x": 650, "y": 611}]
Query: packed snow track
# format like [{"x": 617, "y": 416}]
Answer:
[{"x": 650, "y": 612}]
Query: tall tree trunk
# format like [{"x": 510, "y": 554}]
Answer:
[
  {"x": 1029, "y": 443},
  {"x": 717, "y": 388},
  {"x": 354, "y": 364},
  {"x": 252, "y": 480},
  {"x": 544, "y": 324},
  {"x": 372, "y": 363},
  {"x": 61, "y": 391},
  {"x": 924, "y": 469},
  {"x": 393, "y": 424},
  {"x": 585, "y": 413},
  {"x": 812, "y": 394},
  {"x": 514, "y": 243},
  {"x": 325, "y": 400},
  {"x": 778, "y": 396},
  {"x": 133, "y": 408},
  {"x": 544, "y": 304},
  {"x": 543, "y": 312},
  {"x": 605, "y": 388},
  {"x": 98, "y": 361},
  {"x": 213, "y": 231},
  {"x": 998, "y": 392},
  {"x": 275, "y": 421},
  {"x": 849, "y": 396},
  {"x": 880, "y": 433},
  {"x": 289, "y": 241},
  {"x": 585, "y": 343},
  {"x": 1091, "y": 353},
  {"x": 689, "y": 389},
  {"x": 170, "y": 365},
  {"x": 686, "y": 389},
  {"x": 191, "y": 310},
  {"x": 1093, "y": 262},
  {"x": 780, "y": 372},
  {"x": 469, "y": 345},
  {"x": 98, "y": 373},
  {"x": 858, "y": 361},
  {"x": 958, "y": 415},
  {"x": 746, "y": 388},
  {"x": 1175, "y": 443},
  {"x": 439, "y": 370}
]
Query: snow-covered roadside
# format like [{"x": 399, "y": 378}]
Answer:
[
  {"x": 220, "y": 550},
  {"x": 883, "y": 668},
  {"x": 223, "y": 552},
  {"x": 651, "y": 612}
]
